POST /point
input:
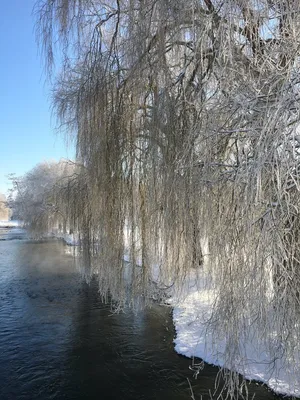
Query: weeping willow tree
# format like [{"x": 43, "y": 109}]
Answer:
[{"x": 186, "y": 118}]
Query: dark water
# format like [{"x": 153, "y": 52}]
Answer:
[{"x": 58, "y": 341}]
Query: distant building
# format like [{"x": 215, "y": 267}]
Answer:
[{"x": 5, "y": 212}]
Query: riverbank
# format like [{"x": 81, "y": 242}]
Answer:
[
  {"x": 69, "y": 239},
  {"x": 197, "y": 336},
  {"x": 10, "y": 224}
]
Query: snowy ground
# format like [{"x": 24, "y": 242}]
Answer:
[
  {"x": 70, "y": 239},
  {"x": 10, "y": 224},
  {"x": 193, "y": 338}
]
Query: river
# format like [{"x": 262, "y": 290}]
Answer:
[{"x": 59, "y": 341}]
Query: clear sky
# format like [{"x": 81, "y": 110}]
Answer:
[{"x": 27, "y": 134}]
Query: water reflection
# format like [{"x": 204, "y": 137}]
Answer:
[{"x": 58, "y": 341}]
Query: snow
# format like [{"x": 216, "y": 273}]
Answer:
[
  {"x": 10, "y": 224},
  {"x": 194, "y": 339},
  {"x": 69, "y": 239}
]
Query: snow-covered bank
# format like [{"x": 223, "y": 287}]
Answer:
[
  {"x": 197, "y": 335},
  {"x": 10, "y": 224},
  {"x": 69, "y": 239},
  {"x": 195, "y": 338}
]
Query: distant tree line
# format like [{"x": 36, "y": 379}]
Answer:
[
  {"x": 34, "y": 197},
  {"x": 5, "y": 212}
]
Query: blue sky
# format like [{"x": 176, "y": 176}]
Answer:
[{"x": 27, "y": 134}]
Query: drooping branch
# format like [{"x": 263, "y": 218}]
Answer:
[{"x": 186, "y": 117}]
